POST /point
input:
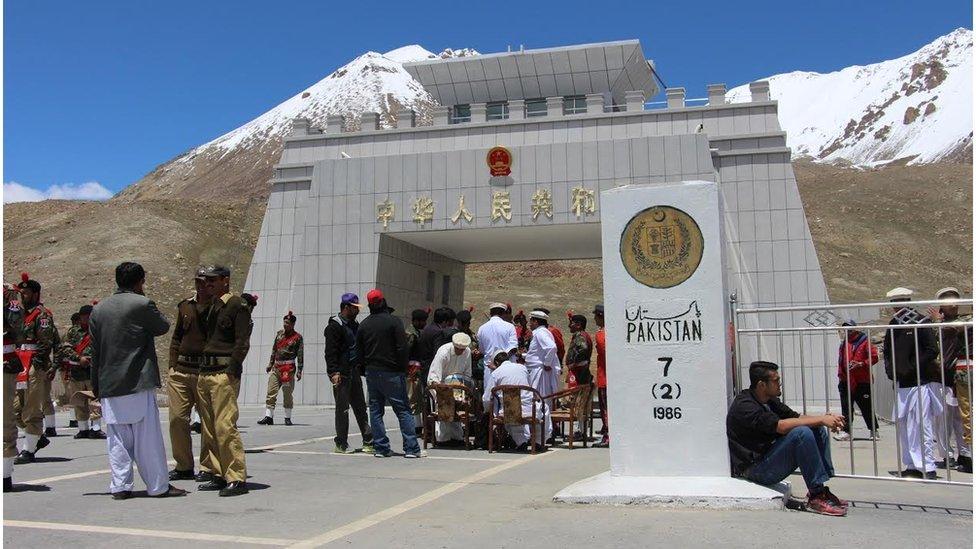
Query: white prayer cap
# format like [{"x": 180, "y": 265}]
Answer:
[
  {"x": 461, "y": 339},
  {"x": 949, "y": 290},
  {"x": 497, "y": 305},
  {"x": 899, "y": 294},
  {"x": 539, "y": 315}
]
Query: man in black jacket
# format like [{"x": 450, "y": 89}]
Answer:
[
  {"x": 910, "y": 356},
  {"x": 344, "y": 368},
  {"x": 382, "y": 345}
]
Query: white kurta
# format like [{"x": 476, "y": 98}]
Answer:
[
  {"x": 916, "y": 432},
  {"x": 495, "y": 335},
  {"x": 542, "y": 354},
  {"x": 513, "y": 373},
  {"x": 447, "y": 362},
  {"x": 134, "y": 435}
]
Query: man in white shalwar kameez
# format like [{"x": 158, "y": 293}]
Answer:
[
  {"x": 496, "y": 334},
  {"x": 542, "y": 361},
  {"x": 450, "y": 359},
  {"x": 125, "y": 376},
  {"x": 910, "y": 356},
  {"x": 508, "y": 372}
]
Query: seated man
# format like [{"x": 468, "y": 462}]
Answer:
[
  {"x": 768, "y": 440},
  {"x": 451, "y": 358},
  {"x": 506, "y": 372}
]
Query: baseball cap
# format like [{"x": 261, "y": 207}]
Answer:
[
  {"x": 216, "y": 270},
  {"x": 374, "y": 296},
  {"x": 349, "y": 298}
]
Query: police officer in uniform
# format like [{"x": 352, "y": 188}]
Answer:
[
  {"x": 75, "y": 357},
  {"x": 185, "y": 358},
  {"x": 285, "y": 368},
  {"x": 228, "y": 322},
  {"x": 40, "y": 339},
  {"x": 13, "y": 322}
]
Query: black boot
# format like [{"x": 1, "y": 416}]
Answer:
[
  {"x": 8, "y": 484},
  {"x": 196, "y": 428},
  {"x": 267, "y": 420},
  {"x": 234, "y": 489},
  {"x": 83, "y": 434},
  {"x": 96, "y": 433},
  {"x": 50, "y": 432},
  {"x": 215, "y": 484},
  {"x": 24, "y": 457},
  {"x": 176, "y": 474},
  {"x": 204, "y": 476},
  {"x": 288, "y": 421},
  {"x": 73, "y": 423}
]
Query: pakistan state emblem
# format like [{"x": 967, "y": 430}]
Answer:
[{"x": 661, "y": 247}]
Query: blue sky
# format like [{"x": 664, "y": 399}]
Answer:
[{"x": 105, "y": 91}]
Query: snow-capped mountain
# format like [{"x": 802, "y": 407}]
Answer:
[
  {"x": 238, "y": 163},
  {"x": 919, "y": 106}
]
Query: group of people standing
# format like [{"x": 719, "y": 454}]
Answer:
[
  {"x": 110, "y": 360},
  {"x": 437, "y": 347}
]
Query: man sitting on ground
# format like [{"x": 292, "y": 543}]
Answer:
[{"x": 768, "y": 440}]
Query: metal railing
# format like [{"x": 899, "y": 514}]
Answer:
[{"x": 759, "y": 333}]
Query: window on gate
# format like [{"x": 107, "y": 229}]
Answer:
[
  {"x": 574, "y": 104},
  {"x": 536, "y": 107},
  {"x": 446, "y": 289},
  {"x": 431, "y": 277}
]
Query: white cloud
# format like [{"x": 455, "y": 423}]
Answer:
[{"x": 92, "y": 190}]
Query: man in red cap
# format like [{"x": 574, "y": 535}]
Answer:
[
  {"x": 285, "y": 367},
  {"x": 382, "y": 345}
]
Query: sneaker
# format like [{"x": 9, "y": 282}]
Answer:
[
  {"x": 821, "y": 504},
  {"x": 842, "y": 436},
  {"x": 415, "y": 455},
  {"x": 367, "y": 449},
  {"x": 267, "y": 420},
  {"x": 337, "y": 449},
  {"x": 834, "y": 499},
  {"x": 875, "y": 436},
  {"x": 385, "y": 454}
]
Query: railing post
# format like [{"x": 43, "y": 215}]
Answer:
[{"x": 734, "y": 340}]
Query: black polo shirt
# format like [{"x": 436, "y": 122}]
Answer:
[{"x": 751, "y": 428}]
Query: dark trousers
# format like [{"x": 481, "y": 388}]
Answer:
[
  {"x": 349, "y": 392},
  {"x": 803, "y": 447},
  {"x": 860, "y": 396}
]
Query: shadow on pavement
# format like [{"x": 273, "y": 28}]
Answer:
[
  {"x": 31, "y": 488},
  {"x": 886, "y": 506}
]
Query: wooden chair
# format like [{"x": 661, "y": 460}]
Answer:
[
  {"x": 574, "y": 404},
  {"x": 444, "y": 405},
  {"x": 511, "y": 405}
]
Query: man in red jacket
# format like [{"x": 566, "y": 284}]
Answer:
[{"x": 855, "y": 357}]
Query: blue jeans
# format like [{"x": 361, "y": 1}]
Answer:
[
  {"x": 390, "y": 387},
  {"x": 808, "y": 448}
]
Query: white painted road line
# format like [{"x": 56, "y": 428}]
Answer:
[
  {"x": 169, "y": 534},
  {"x": 409, "y": 505},
  {"x": 360, "y": 454}
]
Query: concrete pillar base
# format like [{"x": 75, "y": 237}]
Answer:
[{"x": 675, "y": 492}]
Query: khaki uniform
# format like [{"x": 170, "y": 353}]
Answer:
[
  {"x": 12, "y": 335},
  {"x": 41, "y": 337},
  {"x": 228, "y": 323},
  {"x": 291, "y": 354},
  {"x": 76, "y": 345},
  {"x": 185, "y": 358}
]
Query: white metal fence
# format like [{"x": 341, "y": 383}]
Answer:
[{"x": 805, "y": 342}]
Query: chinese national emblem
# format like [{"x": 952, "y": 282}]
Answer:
[
  {"x": 661, "y": 247},
  {"x": 499, "y": 161}
]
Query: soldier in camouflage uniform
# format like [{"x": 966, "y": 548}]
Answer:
[
  {"x": 13, "y": 322},
  {"x": 415, "y": 395},
  {"x": 75, "y": 357},
  {"x": 40, "y": 340},
  {"x": 285, "y": 368},
  {"x": 579, "y": 352}
]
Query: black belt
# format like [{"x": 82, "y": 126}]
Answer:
[
  {"x": 214, "y": 364},
  {"x": 190, "y": 359}
]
